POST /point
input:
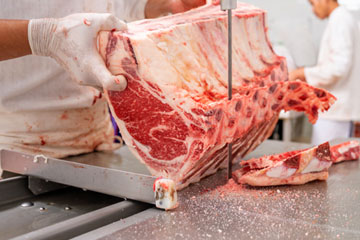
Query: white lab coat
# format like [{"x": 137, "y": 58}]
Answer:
[
  {"x": 41, "y": 109},
  {"x": 338, "y": 68},
  {"x": 338, "y": 71}
]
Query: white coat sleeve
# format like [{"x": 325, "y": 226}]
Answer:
[
  {"x": 130, "y": 10},
  {"x": 339, "y": 61}
]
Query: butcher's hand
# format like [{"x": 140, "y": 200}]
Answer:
[
  {"x": 297, "y": 74},
  {"x": 156, "y": 8},
  {"x": 72, "y": 42},
  {"x": 185, "y": 5}
]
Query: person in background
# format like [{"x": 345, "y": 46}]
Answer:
[
  {"x": 337, "y": 70},
  {"x": 52, "y": 75}
]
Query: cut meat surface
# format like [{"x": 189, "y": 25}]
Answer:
[
  {"x": 345, "y": 151},
  {"x": 291, "y": 168},
  {"x": 263, "y": 180},
  {"x": 174, "y": 114}
]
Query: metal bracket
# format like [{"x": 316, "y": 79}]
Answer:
[
  {"x": 5, "y": 174},
  {"x": 108, "y": 179},
  {"x": 39, "y": 186}
]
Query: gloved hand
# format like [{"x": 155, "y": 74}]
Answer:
[{"x": 72, "y": 42}]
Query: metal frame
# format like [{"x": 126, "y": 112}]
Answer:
[
  {"x": 107, "y": 180},
  {"x": 16, "y": 200},
  {"x": 86, "y": 222}
]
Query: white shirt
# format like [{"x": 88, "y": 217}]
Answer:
[
  {"x": 41, "y": 109},
  {"x": 338, "y": 67}
]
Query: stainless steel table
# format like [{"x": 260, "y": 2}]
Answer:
[{"x": 318, "y": 210}]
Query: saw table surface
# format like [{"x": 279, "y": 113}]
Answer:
[{"x": 208, "y": 210}]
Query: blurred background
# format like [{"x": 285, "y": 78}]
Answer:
[{"x": 295, "y": 33}]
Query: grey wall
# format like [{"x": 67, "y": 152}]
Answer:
[{"x": 292, "y": 24}]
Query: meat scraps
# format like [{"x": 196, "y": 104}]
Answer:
[
  {"x": 295, "y": 167},
  {"x": 346, "y": 151}
]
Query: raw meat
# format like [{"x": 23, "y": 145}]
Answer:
[
  {"x": 345, "y": 151},
  {"x": 174, "y": 114},
  {"x": 291, "y": 168}
]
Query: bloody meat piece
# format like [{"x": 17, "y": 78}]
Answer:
[
  {"x": 345, "y": 151},
  {"x": 291, "y": 168}
]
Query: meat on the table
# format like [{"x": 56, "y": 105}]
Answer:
[
  {"x": 291, "y": 168},
  {"x": 295, "y": 167},
  {"x": 346, "y": 151}
]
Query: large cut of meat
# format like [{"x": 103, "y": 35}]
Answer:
[
  {"x": 174, "y": 114},
  {"x": 291, "y": 168}
]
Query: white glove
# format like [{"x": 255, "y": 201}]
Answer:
[{"x": 72, "y": 42}]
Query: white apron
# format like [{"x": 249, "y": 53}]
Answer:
[{"x": 42, "y": 110}]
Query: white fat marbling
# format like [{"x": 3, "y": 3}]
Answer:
[{"x": 346, "y": 148}]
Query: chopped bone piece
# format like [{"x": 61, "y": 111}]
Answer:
[
  {"x": 291, "y": 168},
  {"x": 165, "y": 194}
]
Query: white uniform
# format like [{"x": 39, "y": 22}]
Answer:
[
  {"x": 338, "y": 71},
  {"x": 41, "y": 109}
]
